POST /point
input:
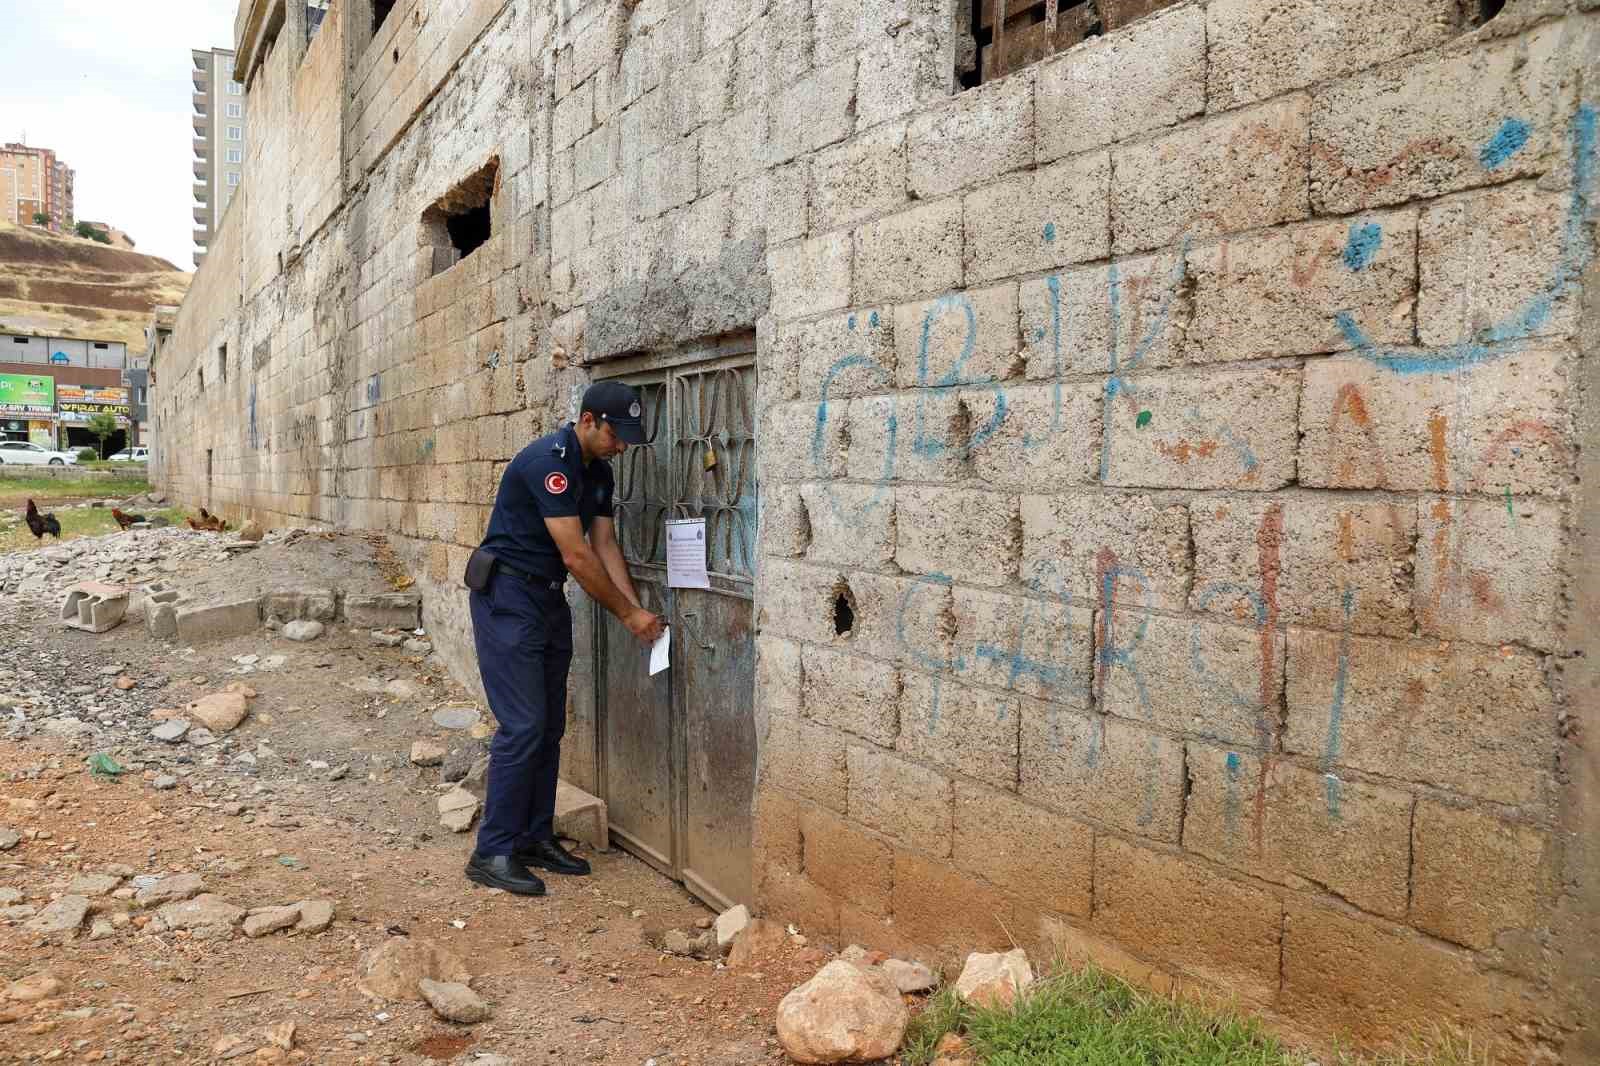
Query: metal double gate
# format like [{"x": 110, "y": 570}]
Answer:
[{"x": 677, "y": 754}]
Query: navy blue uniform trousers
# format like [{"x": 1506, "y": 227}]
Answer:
[{"x": 523, "y": 633}]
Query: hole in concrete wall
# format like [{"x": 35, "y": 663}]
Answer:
[
  {"x": 459, "y": 222},
  {"x": 222, "y": 362},
  {"x": 380, "y": 11},
  {"x": 1488, "y": 9},
  {"x": 844, "y": 610}
]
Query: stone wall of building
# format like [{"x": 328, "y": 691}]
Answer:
[{"x": 1172, "y": 545}]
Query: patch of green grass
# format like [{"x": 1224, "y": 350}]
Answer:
[
  {"x": 1089, "y": 1018},
  {"x": 75, "y": 522},
  {"x": 51, "y": 488}
]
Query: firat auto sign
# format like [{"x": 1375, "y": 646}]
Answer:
[{"x": 78, "y": 404}]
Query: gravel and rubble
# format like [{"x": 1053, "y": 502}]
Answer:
[{"x": 191, "y": 885}]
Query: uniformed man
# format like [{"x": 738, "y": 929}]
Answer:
[{"x": 553, "y": 495}]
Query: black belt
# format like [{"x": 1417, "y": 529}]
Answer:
[{"x": 541, "y": 582}]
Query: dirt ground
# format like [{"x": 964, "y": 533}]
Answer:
[{"x": 573, "y": 977}]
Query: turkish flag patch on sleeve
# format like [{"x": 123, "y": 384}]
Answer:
[{"x": 556, "y": 484}]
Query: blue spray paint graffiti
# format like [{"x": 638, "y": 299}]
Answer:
[
  {"x": 1506, "y": 142},
  {"x": 1341, "y": 674},
  {"x": 1230, "y": 797},
  {"x": 1117, "y": 366},
  {"x": 1505, "y": 337},
  {"x": 255, "y": 437},
  {"x": 1362, "y": 244}
]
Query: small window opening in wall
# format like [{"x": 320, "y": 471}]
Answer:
[
  {"x": 380, "y": 11},
  {"x": 460, "y": 222},
  {"x": 202, "y": 373},
  {"x": 222, "y": 362},
  {"x": 1007, "y": 35},
  {"x": 1488, "y": 9},
  {"x": 844, "y": 611}
]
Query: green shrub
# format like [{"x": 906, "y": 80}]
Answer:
[{"x": 87, "y": 455}]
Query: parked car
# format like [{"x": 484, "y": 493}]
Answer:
[
  {"x": 137, "y": 454},
  {"x": 25, "y": 453}
]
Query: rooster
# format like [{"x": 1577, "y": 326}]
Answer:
[
  {"x": 39, "y": 524},
  {"x": 124, "y": 520}
]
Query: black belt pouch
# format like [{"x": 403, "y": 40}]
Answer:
[{"x": 480, "y": 568}]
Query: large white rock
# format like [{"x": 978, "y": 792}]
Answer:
[
  {"x": 730, "y": 923},
  {"x": 994, "y": 980},
  {"x": 843, "y": 1014}
]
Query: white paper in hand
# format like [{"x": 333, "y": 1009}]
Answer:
[{"x": 660, "y": 652}]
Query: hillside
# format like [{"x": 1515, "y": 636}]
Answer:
[{"x": 72, "y": 287}]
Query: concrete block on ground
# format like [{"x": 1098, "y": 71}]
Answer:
[
  {"x": 1372, "y": 980},
  {"x": 94, "y": 606},
  {"x": 218, "y": 621},
  {"x": 581, "y": 816},
  {"x": 388, "y": 610},
  {"x": 948, "y": 909}
]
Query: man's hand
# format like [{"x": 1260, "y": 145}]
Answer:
[{"x": 645, "y": 625}]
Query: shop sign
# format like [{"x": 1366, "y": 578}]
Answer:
[
  {"x": 27, "y": 394},
  {"x": 78, "y": 404}
]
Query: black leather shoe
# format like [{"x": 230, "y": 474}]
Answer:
[
  {"x": 550, "y": 855},
  {"x": 505, "y": 872}
]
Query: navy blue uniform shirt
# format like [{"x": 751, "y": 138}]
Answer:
[{"x": 547, "y": 479}]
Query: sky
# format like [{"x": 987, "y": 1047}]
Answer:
[{"x": 106, "y": 84}]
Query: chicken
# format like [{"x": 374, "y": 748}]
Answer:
[
  {"x": 39, "y": 524},
  {"x": 208, "y": 523},
  {"x": 124, "y": 520}
]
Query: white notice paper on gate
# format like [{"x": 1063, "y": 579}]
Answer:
[
  {"x": 686, "y": 554},
  {"x": 661, "y": 652}
]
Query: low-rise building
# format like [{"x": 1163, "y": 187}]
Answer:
[{"x": 52, "y": 387}]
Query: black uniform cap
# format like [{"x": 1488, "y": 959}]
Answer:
[{"x": 619, "y": 405}]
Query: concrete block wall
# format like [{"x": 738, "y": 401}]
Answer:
[{"x": 1192, "y": 423}]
